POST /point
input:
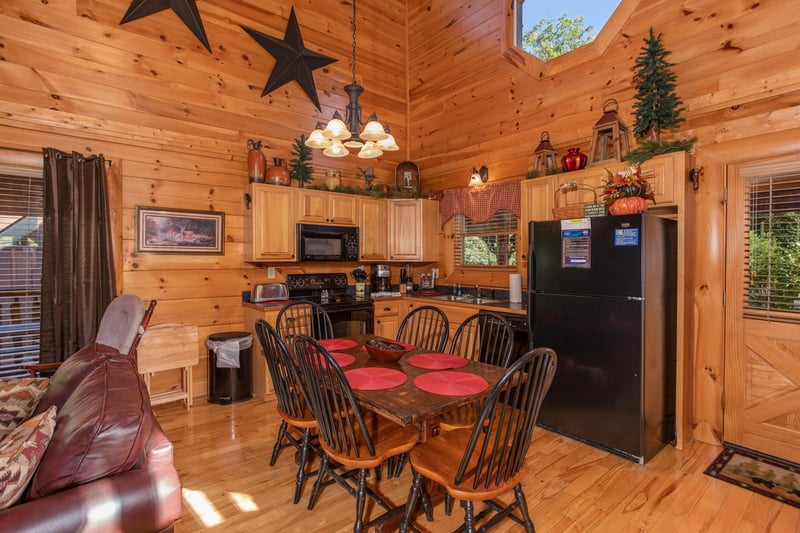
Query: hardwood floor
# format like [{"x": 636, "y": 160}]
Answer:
[{"x": 222, "y": 454}]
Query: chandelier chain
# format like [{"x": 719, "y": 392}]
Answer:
[{"x": 354, "y": 42}]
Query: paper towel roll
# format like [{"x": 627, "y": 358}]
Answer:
[{"x": 515, "y": 288}]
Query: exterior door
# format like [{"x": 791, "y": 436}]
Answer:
[{"x": 762, "y": 352}]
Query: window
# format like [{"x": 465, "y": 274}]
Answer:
[
  {"x": 772, "y": 248},
  {"x": 486, "y": 244},
  {"x": 21, "y": 209}
]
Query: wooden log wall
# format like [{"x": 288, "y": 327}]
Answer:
[
  {"x": 471, "y": 104},
  {"x": 175, "y": 118}
]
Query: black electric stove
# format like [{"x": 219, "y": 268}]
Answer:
[{"x": 350, "y": 315}]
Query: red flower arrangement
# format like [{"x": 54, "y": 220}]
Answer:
[
  {"x": 625, "y": 184},
  {"x": 626, "y": 191}
]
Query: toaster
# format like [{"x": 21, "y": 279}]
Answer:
[{"x": 269, "y": 292}]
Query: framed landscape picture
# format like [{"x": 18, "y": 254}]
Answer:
[{"x": 179, "y": 231}]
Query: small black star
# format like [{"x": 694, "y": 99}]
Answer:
[
  {"x": 293, "y": 60},
  {"x": 185, "y": 9}
]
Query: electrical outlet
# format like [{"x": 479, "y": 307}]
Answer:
[{"x": 271, "y": 272}]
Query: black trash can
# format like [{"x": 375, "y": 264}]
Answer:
[{"x": 229, "y": 367}]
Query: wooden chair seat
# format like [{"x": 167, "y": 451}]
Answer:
[{"x": 439, "y": 458}]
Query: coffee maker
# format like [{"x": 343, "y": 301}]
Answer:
[{"x": 381, "y": 278}]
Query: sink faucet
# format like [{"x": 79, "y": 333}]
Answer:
[{"x": 477, "y": 291}]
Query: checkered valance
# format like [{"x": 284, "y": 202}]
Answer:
[{"x": 480, "y": 203}]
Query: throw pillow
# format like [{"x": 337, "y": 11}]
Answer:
[
  {"x": 18, "y": 399},
  {"x": 20, "y": 454}
]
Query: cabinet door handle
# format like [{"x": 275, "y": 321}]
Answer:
[{"x": 387, "y": 308}]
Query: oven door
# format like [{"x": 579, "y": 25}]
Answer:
[{"x": 352, "y": 321}]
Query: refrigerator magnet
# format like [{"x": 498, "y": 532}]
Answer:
[{"x": 626, "y": 237}]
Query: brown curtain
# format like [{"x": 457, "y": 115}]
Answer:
[{"x": 77, "y": 260}]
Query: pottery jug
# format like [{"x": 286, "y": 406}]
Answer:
[
  {"x": 332, "y": 179},
  {"x": 278, "y": 174},
  {"x": 256, "y": 163},
  {"x": 574, "y": 160}
]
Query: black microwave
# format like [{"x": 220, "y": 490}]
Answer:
[{"x": 327, "y": 243}]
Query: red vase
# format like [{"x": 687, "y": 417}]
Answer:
[
  {"x": 279, "y": 174},
  {"x": 628, "y": 205},
  {"x": 574, "y": 160},
  {"x": 256, "y": 162}
]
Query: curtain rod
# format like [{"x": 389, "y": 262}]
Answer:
[{"x": 20, "y": 150}]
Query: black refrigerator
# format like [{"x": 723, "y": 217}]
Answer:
[{"x": 602, "y": 294}]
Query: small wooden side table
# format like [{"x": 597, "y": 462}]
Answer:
[{"x": 169, "y": 347}]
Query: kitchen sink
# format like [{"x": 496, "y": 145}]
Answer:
[{"x": 464, "y": 299}]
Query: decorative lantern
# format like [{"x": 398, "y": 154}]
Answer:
[
  {"x": 545, "y": 156},
  {"x": 609, "y": 136}
]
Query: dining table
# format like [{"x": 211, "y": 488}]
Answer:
[{"x": 441, "y": 384}]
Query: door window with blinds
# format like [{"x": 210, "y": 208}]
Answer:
[
  {"x": 486, "y": 244},
  {"x": 21, "y": 210},
  {"x": 772, "y": 220}
]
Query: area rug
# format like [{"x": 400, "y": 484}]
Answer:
[{"x": 774, "y": 478}]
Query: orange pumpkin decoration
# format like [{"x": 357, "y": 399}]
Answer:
[{"x": 628, "y": 205}]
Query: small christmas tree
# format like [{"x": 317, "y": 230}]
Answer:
[
  {"x": 657, "y": 105},
  {"x": 299, "y": 167}
]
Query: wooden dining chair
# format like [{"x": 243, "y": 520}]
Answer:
[
  {"x": 291, "y": 404},
  {"x": 486, "y": 337},
  {"x": 487, "y": 461},
  {"x": 425, "y": 327},
  {"x": 355, "y": 440},
  {"x": 303, "y": 318}
]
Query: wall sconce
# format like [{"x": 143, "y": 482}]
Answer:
[{"x": 479, "y": 177}]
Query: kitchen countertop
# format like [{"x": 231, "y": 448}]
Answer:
[{"x": 502, "y": 305}]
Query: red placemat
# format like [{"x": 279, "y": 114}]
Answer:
[
  {"x": 436, "y": 361},
  {"x": 375, "y": 378},
  {"x": 337, "y": 344},
  {"x": 343, "y": 359},
  {"x": 448, "y": 383}
]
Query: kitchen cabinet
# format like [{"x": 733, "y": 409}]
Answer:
[
  {"x": 269, "y": 224},
  {"x": 322, "y": 207},
  {"x": 537, "y": 204},
  {"x": 387, "y": 318},
  {"x": 262, "y": 384},
  {"x": 373, "y": 229},
  {"x": 413, "y": 230}
]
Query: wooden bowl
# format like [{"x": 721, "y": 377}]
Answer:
[{"x": 385, "y": 355}]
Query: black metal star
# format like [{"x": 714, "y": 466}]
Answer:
[
  {"x": 293, "y": 60},
  {"x": 185, "y": 9}
]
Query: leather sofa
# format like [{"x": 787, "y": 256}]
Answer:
[{"x": 109, "y": 465}]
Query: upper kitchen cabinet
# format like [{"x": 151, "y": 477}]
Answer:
[
  {"x": 374, "y": 229},
  {"x": 413, "y": 230},
  {"x": 537, "y": 204},
  {"x": 322, "y": 207},
  {"x": 270, "y": 224}
]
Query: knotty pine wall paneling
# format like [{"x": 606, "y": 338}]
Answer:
[
  {"x": 737, "y": 74},
  {"x": 175, "y": 120}
]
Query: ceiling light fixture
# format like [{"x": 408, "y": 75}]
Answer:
[{"x": 338, "y": 135}]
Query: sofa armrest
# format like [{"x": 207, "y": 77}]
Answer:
[{"x": 146, "y": 498}]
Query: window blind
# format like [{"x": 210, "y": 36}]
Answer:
[
  {"x": 772, "y": 249},
  {"x": 21, "y": 211},
  {"x": 486, "y": 244}
]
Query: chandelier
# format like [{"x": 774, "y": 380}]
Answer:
[{"x": 338, "y": 135}]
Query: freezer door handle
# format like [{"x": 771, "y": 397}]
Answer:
[{"x": 635, "y": 298}]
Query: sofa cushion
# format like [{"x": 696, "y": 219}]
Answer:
[
  {"x": 18, "y": 400},
  {"x": 101, "y": 429},
  {"x": 20, "y": 454},
  {"x": 72, "y": 371}
]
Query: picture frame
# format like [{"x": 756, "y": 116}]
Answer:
[{"x": 179, "y": 231}]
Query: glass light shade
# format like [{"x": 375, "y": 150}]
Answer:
[
  {"x": 336, "y": 129},
  {"x": 373, "y": 131},
  {"x": 336, "y": 149},
  {"x": 475, "y": 180},
  {"x": 353, "y": 143},
  {"x": 316, "y": 139},
  {"x": 388, "y": 144},
  {"x": 370, "y": 151}
]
